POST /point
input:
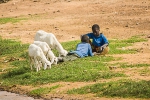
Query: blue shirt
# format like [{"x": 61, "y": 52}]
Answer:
[
  {"x": 98, "y": 41},
  {"x": 83, "y": 49}
]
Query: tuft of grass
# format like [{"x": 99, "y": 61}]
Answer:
[
  {"x": 15, "y": 72},
  {"x": 117, "y": 45},
  {"x": 11, "y": 51},
  {"x": 41, "y": 91},
  {"x": 11, "y": 47},
  {"x": 121, "y": 88},
  {"x": 145, "y": 72},
  {"x": 10, "y": 20},
  {"x": 124, "y": 65},
  {"x": 135, "y": 39}
]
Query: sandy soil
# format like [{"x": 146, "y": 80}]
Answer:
[{"x": 68, "y": 19}]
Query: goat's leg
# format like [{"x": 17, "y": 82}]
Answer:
[
  {"x": 45, "y": 66},
  {"x": 49, "y": 66},
  {"x": 52, "y": 60},
  {"x": 36, "y": 64},
  {"x": 31, "y": 62},
  {"x": 39, "y": 64},
  {"x": 55, "y": 60}
]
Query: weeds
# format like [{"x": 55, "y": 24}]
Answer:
[
  {"x": 10, "y": 20},
  {"x": 40, "y": 91},
  {"x": 133, "y": 65},
  {"x": 10, "y": 47}
]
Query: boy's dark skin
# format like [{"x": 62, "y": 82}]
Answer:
[{"x": 96, "y": 31}]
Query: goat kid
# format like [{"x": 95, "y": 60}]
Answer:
[
  {"x": 47, "y": 51},
  {"x": 37, "y": 58}
]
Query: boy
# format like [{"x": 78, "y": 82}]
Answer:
[
  {"x": 99, "y": 42},
  {"x": 83, "y": 49}
]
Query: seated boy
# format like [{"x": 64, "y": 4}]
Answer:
[{"x": 99, "y": 42}]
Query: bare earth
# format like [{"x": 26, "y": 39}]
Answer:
[{"x": 68, "y": 19}]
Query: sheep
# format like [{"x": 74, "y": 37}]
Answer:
[
  {"x": 51, "y": 40},
  {"x": 37, "y": 57},
  {"x": 47, "y": 51}
]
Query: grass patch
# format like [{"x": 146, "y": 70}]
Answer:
[
  {"x": 133, "y": 65},
  {"x": 117, "y": 45},
  {"x": 121, "y": 88},
  {"x": 135, "y": 39},
  {"x": 80, "y": 70},
  {"x": 84, "y": 69},
  {"x": 41, "y": 91},
  {"x": 11, "y": 20},
  {"x": 88, "y": 69},
  {"x": 145, "y": 72},
  {"x": 11, "y": 47},
  {"x": 11, "y": 52}
]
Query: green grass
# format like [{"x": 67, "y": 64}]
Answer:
[
  {"x": 88, "y": 69},
  {"x": 41, "y": 91},
  {"x": 80, "y": 70},
  {"x": 133, "y": 65},
  {"x": 135, "y": 39},
  {"x": 11, "y": 47},
  {"x": 126, "y": 65},
  {"x": 117, "y": 45},
  {"x": 11, "y": 20},
  {"x": 121, "y": 88},
  {"x": 145, "y": 72}
]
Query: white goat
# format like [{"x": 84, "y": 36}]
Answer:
[
  {"x": 47, "y": 51},
  {"x": 51, "y": 40},
  {"x": 37, "y": 57}
]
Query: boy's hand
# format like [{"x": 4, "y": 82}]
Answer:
[
  {"x": 100, "y": 49},
  {"x": 94, "y": 53}
]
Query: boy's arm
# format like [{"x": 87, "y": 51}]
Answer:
[
  {"x": 101, "y": 48},
  {"x": 105, "y": 40},
  {"x": 88, "y": 34},
  {"x": 105, "y": 45}
]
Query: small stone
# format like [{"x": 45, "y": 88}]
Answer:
[
  {"x": 126, "y": 26},
  {"x": 148, "y": 36}
]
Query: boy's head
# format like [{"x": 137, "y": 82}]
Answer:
[
  {"x": 85, "y": 38},
  {"x": 96, "y": 30}
]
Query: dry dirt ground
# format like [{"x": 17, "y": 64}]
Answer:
[{"x": 68, "y": 19}]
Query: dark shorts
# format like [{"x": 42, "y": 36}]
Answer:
[{"x": 70, "y": 57}]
